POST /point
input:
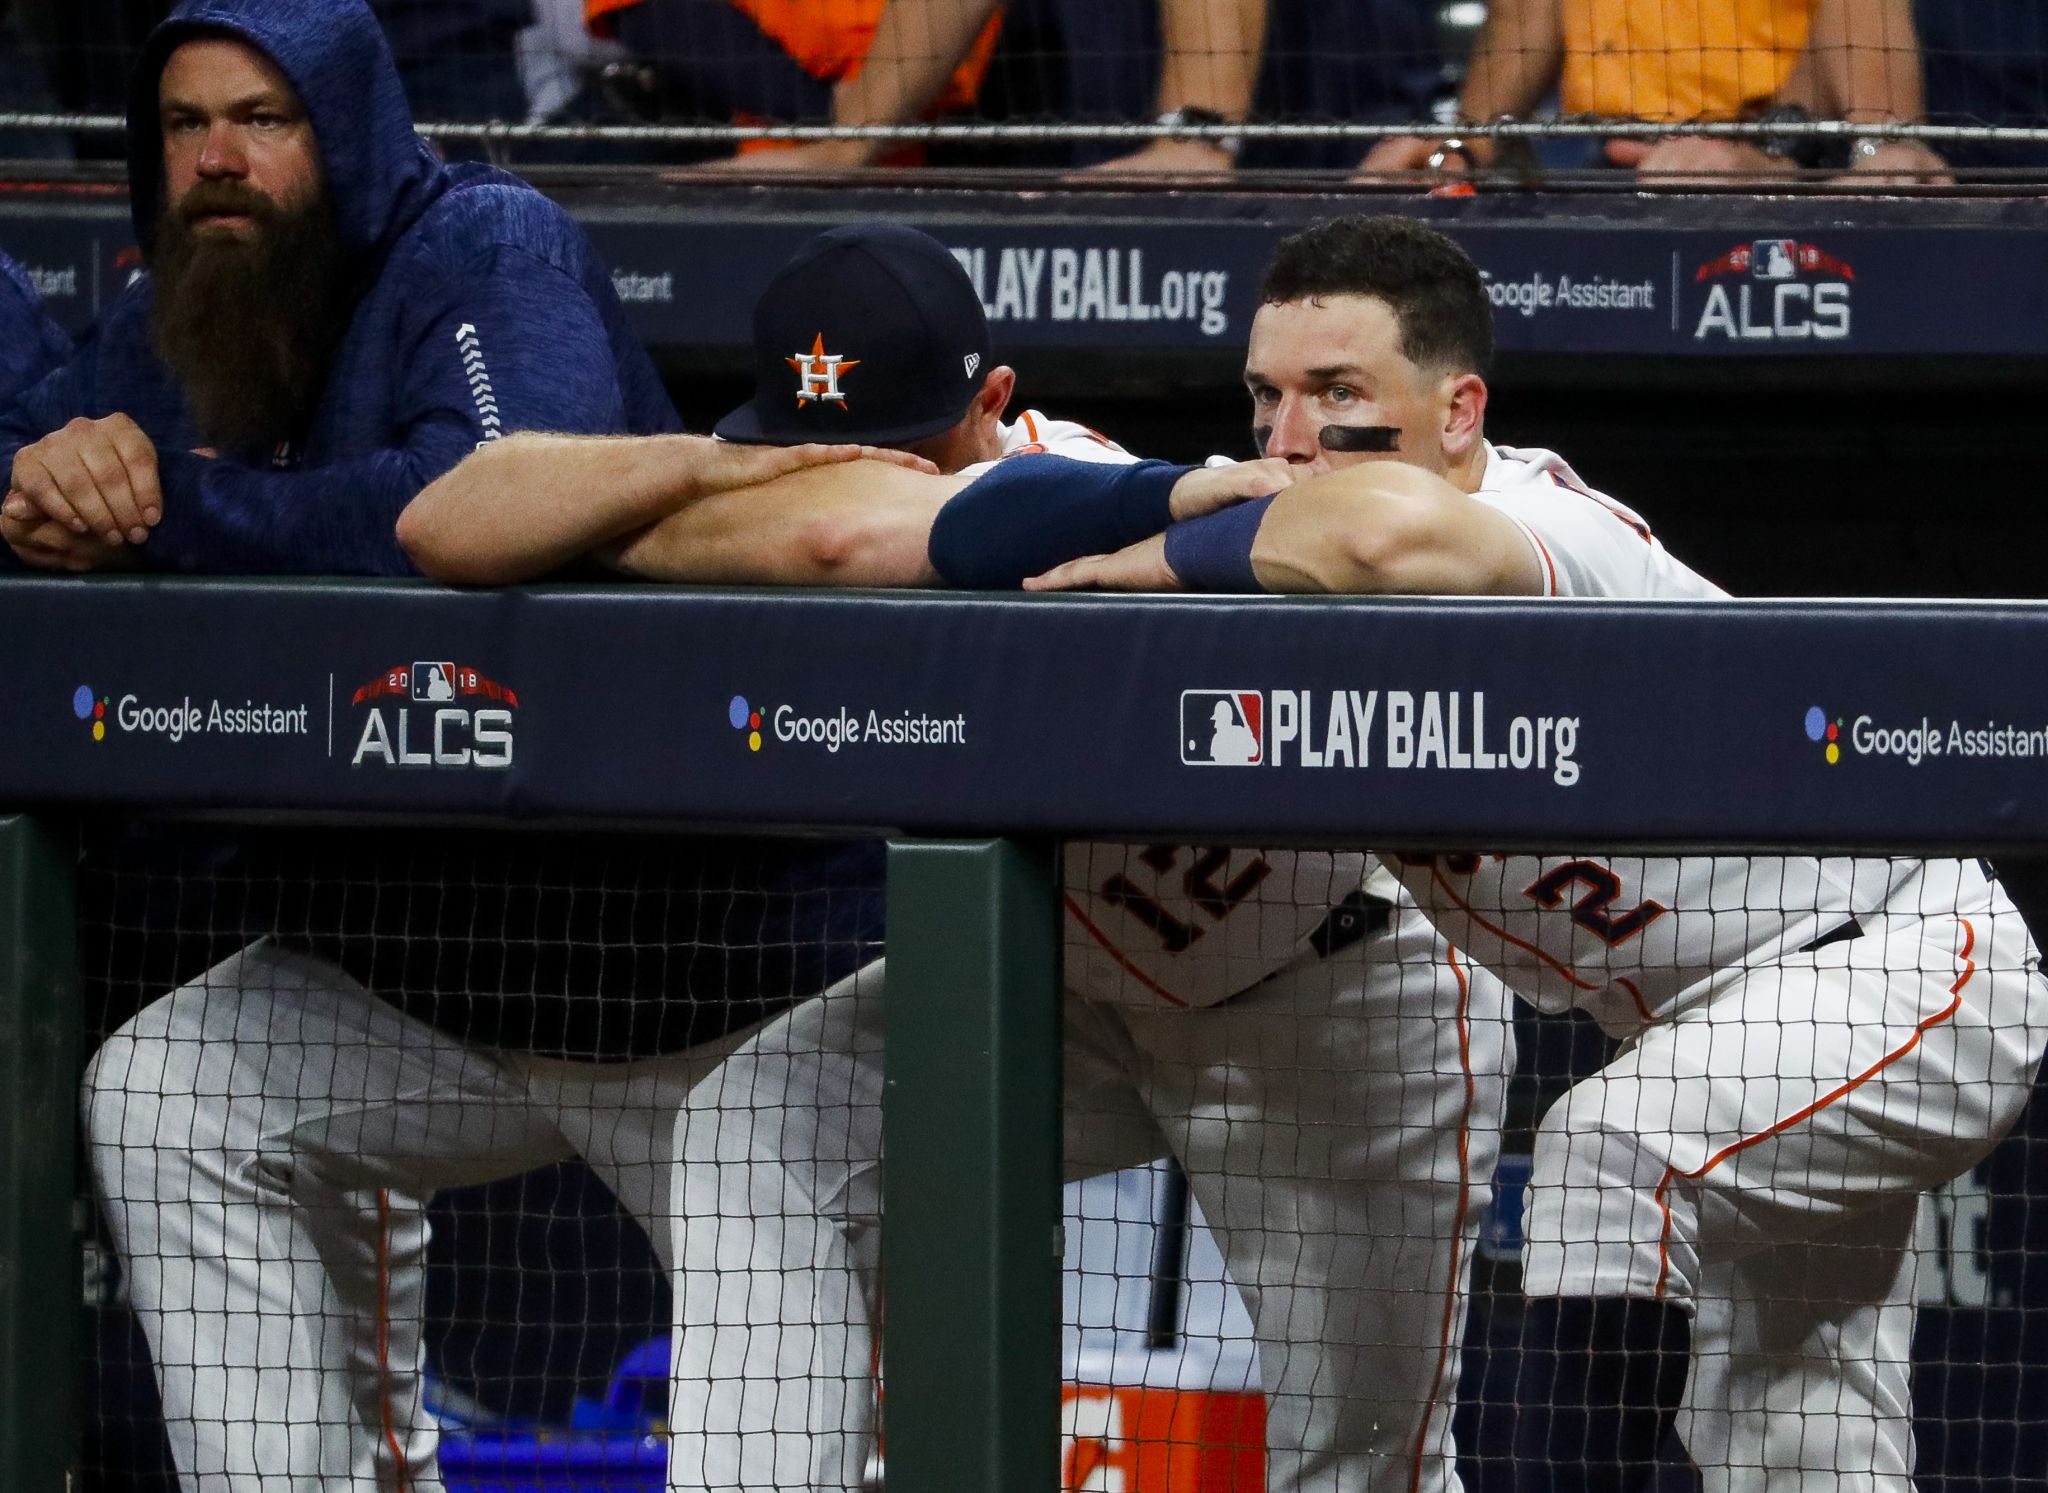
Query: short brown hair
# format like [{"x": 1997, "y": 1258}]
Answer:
[{"x": 1429, "y": 283}]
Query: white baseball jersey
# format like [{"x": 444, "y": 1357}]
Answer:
[
  {"x": 1338, "y": 1122},
  {"x": 1172, "y": 923},
  {"x": 1034, "y": 434},
  {"x": 1630, "y": 939}
]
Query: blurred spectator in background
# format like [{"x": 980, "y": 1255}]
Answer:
[
  {"x": 1221, "y": 61},
  {"x": 557, "y": 57},
  {"x": 1649, "y": 62},
  {"x": 88, "y": 48},
  {"x": 27, "y": 84},
  {"x": 1987, "y": 63},
  {"x": 806, "y": 61},
  {"x": 31, "y": 344},
  {"x": 458, "y": 58},
  {"x": 1192, "y": 62}
]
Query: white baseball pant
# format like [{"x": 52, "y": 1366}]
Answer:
[
  {"x": 265, "y": 1140},
  {"x": 1339, "y": 1126},
  {"x": 1757, "y": 1160}
]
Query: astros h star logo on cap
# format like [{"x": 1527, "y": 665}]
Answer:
[{"x": 818, "y": 374}]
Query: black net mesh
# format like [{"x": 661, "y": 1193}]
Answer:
[
  {"x": 1735, "y": 1186},
  {"x": 998, "y": 74},
  {"x": 380, "y": 1125}
]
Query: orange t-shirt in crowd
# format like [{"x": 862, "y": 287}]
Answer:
[
  {"x": 1694, "y": 59},
  {"x": 830, "y": 39}
]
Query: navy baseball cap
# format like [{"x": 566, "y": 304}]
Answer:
[{"x": 871, "y": 333}]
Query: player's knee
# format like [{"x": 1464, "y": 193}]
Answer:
[
  {"x": 146, "y": 1059},
  {"x": 103, "y": 1094},
  {"x": 729, "y": 1118},
  {"x": 1602, "y": 1218},
  {"x": 128, "y": 1063},
  {"x": 1588, "y": 1139}
]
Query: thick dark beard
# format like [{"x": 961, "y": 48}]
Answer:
[{"x": 247, "y": 325}]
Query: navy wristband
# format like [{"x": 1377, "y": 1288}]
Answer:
[
  {"x": 1030, "y": 513},
  {"x": 1214, "y": 553}
]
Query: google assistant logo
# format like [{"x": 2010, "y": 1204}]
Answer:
[
  {"x": 1820, "y": 728},
  {"x": 745, "y": 718},
  {"x": 86, "y": 708}
]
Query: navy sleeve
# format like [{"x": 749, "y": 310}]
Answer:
[
  {"x": 50, "y": 405},
  {"x": 1030, "y": 513},
  {"x": 1214, "y": 553},
  {"x": 516, "y": 344},
  {"x": 31, "y": 345}
]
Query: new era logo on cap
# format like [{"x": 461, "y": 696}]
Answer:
[{"x": 971, "y": 362}]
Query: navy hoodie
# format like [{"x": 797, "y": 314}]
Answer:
[
  {"x": 585, "y": 946},
  {"x": 479, "y": 309},
  {"x": 31, "y": 344}
]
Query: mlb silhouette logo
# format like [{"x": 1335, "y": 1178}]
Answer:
[
  {"x": 1774, "y": 259},
  {"x": 1222, "y": 727},
  {"x": 433, "y": 681}
]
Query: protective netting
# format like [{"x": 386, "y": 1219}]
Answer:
[
  {"x": 1743, "y": 1203},
  {"x": 379, "y": 1123},
  {"x": 1288, "y": 84},
  {"x": 1749, "y": 1139}
]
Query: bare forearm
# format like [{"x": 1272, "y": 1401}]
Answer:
[
  {"x": 521, "y": 507},
  {"x": 1211, "y": 51},
  {"x": 918, "y": 44},
  {"x": 1517, "y": 60},
  {"x": 1390, "y": 530},
  {"x": 1867, "y": 58},
  {"x": 862, "y": 524}
]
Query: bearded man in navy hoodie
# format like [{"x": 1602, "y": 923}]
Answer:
[
  {"x": 332, "y": 318},
  {"x": 31, "y": 344}
]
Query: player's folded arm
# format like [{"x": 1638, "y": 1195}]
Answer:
[
  {"x": 47, "y": 408},
  {"x": 222, "y": 518},
  {"x": 481, "y": 359},
  {"x": 860, "y": 523},
  {"x": 49, "y": 405},
  {"x": 527, "y": 505},
  {"x": 1391, "y": 529},
  {"x": 1030, "y": 513}
]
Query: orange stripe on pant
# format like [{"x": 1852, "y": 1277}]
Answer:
[
  {"x": 398, "y": 1467},
  {"x": 1672, "y": 1174},
  {"x": 1445, "y": 1346}
]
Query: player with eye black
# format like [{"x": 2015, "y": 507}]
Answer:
[
  {"x": 1721, "y": 1220},
  {"x": 1327, "y": 1071}
]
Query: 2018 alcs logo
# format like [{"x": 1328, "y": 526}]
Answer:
[
  {"x": 1789, "y": 292},
  {"x": 470, "y": 726}
]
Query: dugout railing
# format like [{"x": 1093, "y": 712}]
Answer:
[{"x": 977, "y": 733}]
